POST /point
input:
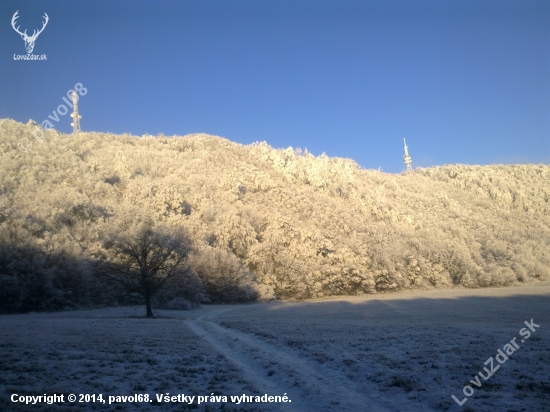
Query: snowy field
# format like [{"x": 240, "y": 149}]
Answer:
[{"x": 405, "y": 351}]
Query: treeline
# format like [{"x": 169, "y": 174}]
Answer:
[{"x": 264, "y": 223}]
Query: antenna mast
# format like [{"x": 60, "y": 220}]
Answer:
[
  {"x": 407, "y": 157},
  {"x": 76, "y": 117}
]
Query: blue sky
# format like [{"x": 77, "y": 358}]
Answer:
[{"x": 462, "y": 81}]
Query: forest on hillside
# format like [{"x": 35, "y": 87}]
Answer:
[{"x": 264, "y": 223}]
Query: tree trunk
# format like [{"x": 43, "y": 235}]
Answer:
[{"x": 148, "y": 304}]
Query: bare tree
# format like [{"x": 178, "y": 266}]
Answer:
[{"x": 143, "y": 261}]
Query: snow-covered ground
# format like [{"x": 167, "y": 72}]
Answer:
[{"x": 405, "y": 351}]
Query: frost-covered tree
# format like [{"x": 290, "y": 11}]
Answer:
[
  {"x": 282, "y": 221},
  {"x": 144, "y": 259}
]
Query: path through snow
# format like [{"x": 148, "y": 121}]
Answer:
[{"x": 276, "y": 370}]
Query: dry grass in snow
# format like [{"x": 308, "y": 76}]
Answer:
[{"x": 406, "y": 351}]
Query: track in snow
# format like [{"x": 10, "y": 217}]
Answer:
[{"x": 275, "y": 371}]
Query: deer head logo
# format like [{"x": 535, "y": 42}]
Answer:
[{"x": 29, "y": 40}]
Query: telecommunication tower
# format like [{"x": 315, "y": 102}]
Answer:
[
  {"x": 407, "y": 157},
  {"x": 76, "y": 117}
]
